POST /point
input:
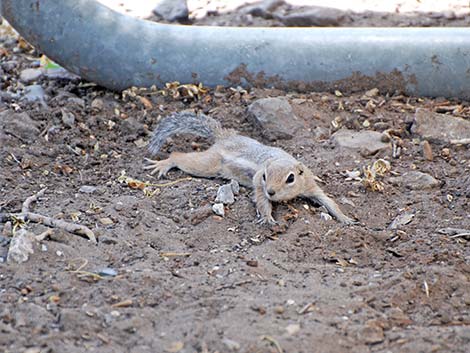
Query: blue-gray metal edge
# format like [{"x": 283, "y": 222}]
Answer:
[{"x": 119, "y": 51}]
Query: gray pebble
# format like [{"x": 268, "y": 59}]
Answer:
[
  {"x": 87, "y": 189},
  {"x": 30, "y": 75},
  {"x": 225, "y": 194},
  {"x": 218, "y": 209}
]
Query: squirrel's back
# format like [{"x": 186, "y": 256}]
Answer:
[{"x": 186, "y": 123}]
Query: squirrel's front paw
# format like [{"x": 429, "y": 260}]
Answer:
[
  {"x": 267, "y": 220},
  {"x": 347, "y": 221},
  {"x": 160, "y": 167}
]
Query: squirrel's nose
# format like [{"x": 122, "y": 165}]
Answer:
[{"x": 271, "y": 192}]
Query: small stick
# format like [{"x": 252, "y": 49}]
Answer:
[
  {"x": 233, "y": 285},
  {"x": 460, "y": 142},
  {"x": 81, "y": 267},
  {"x": 169, "y": 183},
  {"x": 123, "y": 304},
  {"x": 27, "y": 203},
  {"x": 44, "y": 235},
  {"x": 175, "y": 254},
  {"x": 273, "y": 342},
  {"x": 58, "y": 223},
  {"x": 426, "y": 288},
  {"x": 49, "y": 221},
  {"x": 466, "y": 234}
]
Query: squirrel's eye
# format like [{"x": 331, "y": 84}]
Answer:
[
  {"x": 264, "y": 176},
  {"x": 290, "y": 179}
]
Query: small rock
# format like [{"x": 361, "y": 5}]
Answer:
[
  {"x": 30, "y": 75},
  {"x": 108, "y": 272},
  {"x": 225, "y": 194},
  {"x": 231, "y": 345},
  {"x": 175, "y": 347},
  {"x": 200, "y": 214},
  {"x": 33, "y": 350},
  {"x": 439, "y": 127},
  {"x": 292, "y": 329},
  {"x": 34, "y": 93},
  {"x": 275, "y": 117},
  {"x": 466, "y": 298},
  {"x": 374, "y": 92},
  {"x": 401, "y": 220},
  {"x": 398, "y": 317},
  {"x": 87, "y": 189},
  {"x": 9, "y": 66},
  {"x": 263, "y": 9},
  {"x": 415, "y": 180},
  {"x": 279, "y": 309},
  {"x": 68, "y": 119},
  {"x": 7, "y": 230},
  {"x": 106, "y": 221},
  {"x": 107, "y": 240},
  {"x": 131, "y": 128},
  {"x": 78, "y": 101},
  {"x": 371, "y": 334},
  {"x": 314, "y": 16},
  {"x": 172, "y": 10},
  {"x": 449, "y": 15},
  {"x": 60, "y": 73},
  {"x": 321, "y": 133},
  {"x": 325, "y": 216},
  {"x": 19, "y": 124},
  {"x": 235, "y": 187},
  {"x": 427, "y": 151},
  {"x": 218, "y": 209},
  {"x": 21, "y": 246},
  {"x": 97, "y": 104},
  {"x": 252, "y": 263},
  {"x": 445, "y": 153},
  {"x": 368, "y": 141}
]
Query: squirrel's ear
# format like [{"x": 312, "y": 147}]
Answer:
[{"x": 300, "y": 168}]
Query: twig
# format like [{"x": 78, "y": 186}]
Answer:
[
  {"x": 26, "y": 215},
  {"x": 169, "y": 183},
  {"x": 58, "y": 223},
  {"x": 14, "y": 158},
  {"x": 460, "y": 142},
  {"x": 44, "y": 235},
  {"x": 81, "y": 267},
  {"x": 93, "y": 275},
  {"x": 27, "y": 203},
  {"x": 233, "y": 285},
  {"x": 175, "y": 254},
  {"x": 306, "y": 308},
  {"x": 123, "y": 304},
  {"x": 426, "y": 288},
  {"x": 466, "y": 234},
  {"x": 273, "y": 342}
]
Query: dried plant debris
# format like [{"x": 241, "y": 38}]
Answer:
[
  {"x": 373, "y": 174},
  {"x": 20, "y": 219},
  {"x": 187, "y": 91},
  {"x": 149, "y": 189}
]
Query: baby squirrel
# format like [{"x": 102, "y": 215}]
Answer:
[{"x": 271, "y": 172}]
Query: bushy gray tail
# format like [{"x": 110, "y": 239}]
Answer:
[{"x": 184, "y": 123}]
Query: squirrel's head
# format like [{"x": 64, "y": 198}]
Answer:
[{"x": 283, "y": 179}]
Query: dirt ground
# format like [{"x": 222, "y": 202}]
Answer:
[{"x": 169, "y": 276}]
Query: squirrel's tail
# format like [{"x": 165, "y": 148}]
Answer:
[{"x": 184, "y": 123}]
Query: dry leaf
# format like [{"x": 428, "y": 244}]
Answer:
[
  {"x": 175, "y": 347},
  {"x": 146, "y": 103}
]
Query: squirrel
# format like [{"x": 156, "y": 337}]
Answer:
[{"x": 273, "y": 174}]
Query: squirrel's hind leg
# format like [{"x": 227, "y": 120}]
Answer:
[{"x": 202, "y": 164}]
